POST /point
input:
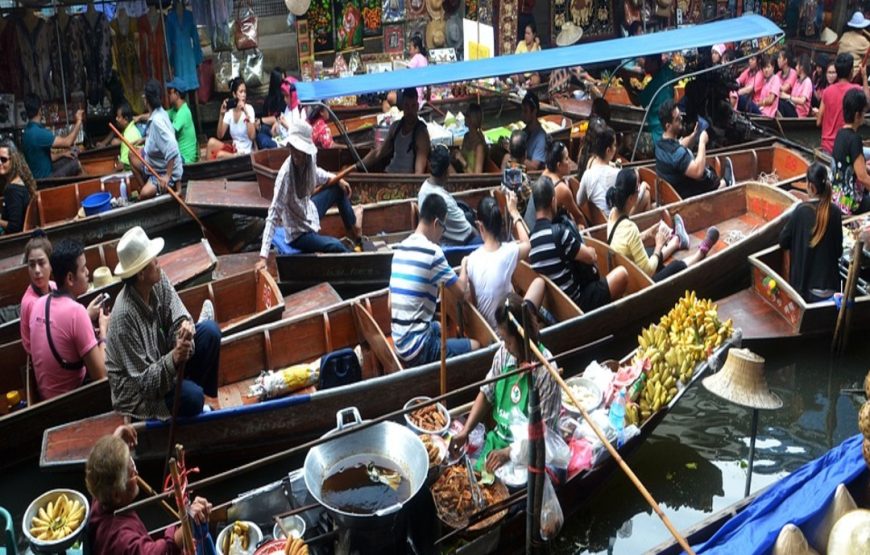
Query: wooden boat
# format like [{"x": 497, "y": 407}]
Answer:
[
  {"x": 764, "y": 312},
  {"x": 56, "y": 211},
  {"x": 241, "y": 301},
  {"x": 812, "y": 479},
  {"x": 181, "y": 266},
  {"x": 244, "y": 429}
]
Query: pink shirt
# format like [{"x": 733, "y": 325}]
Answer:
[
  {"x": 803, "y": 89},
  {"x": 73, "y": 336},
  {"x": 30, "y": 297},
  {"x": 832, "y": 118},
  {"x": 789, "y": 81},
  {"x": 771, "y": 86},
  {"x": 112, "y": 534},
  {"x": 757, "y": 80},
  {"x": 419, "y": 60}
]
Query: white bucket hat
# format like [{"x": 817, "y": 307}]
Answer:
[
  {"x": 135, "y": 250},
  {"x": 300, "y": 137},
  {"x": 858, "y": 21}
]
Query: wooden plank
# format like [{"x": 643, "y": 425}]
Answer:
[
  {"x": 375, "y": 339},
  {"x": 318, "y": 297},
  {"x": 220, "y": 193},
  {"x": 75, "y": 440}
]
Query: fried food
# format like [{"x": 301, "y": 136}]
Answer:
[
  {"x": 240, "y": 530},
  {"x": 452, "y": 494},
  {"x": 295, "y": 546},
  {"x": 58, "y": 519},
  {"x": 432, "y": 450},
  {"x": 429, "y": 418}
]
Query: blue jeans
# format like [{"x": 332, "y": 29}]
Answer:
[
  {"x": 326, "y": 198},
  {"x": 431, "y": 350},
  {"x": 200, "y": 372},
  {"x": 265, "y": 140}
]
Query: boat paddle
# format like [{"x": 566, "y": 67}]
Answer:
[
  {"x": 443, "y": 342},
  {"x": 217, "y": 242},
  {"x": 612, "y": 450}
]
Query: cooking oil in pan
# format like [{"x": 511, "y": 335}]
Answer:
[{"x": 351, "y": 489}]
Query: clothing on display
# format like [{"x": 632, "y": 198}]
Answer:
[
  {"x": 152, "y": 52},
  {"x": 125, "y": 55},
  {"x": 184, "y": 50},
  {"x": 34, "y": 44},
  {"x": 10, "y": 78},
  {"x": 68, "y": 53},
  {"x": 97, "y": 54}
]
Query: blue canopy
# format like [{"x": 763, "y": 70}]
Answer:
[{"x": 747, "y": 27}]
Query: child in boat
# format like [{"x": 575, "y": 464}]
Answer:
[
  {"x": 814, "y": 236},
  {"x": 503, "y": 398},
  {"x": 770, "y": 89},
  {"x": 17, "y": 188},
  {"x": 489, "y": 268},
  {"x": 112, "y": 481},
  {"x": 625, "y": 238},
  {"x": 801, "y": 96},
  {"x": 238, "y": 118},
  {"x": 37, "y": 253}
]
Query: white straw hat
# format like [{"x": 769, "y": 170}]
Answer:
[
  {"x": 569, "y": 34},
  {"x": 135, "y": 251},
  {"x": 742, "y": 382},
  {"x": 103, "y": 277},
  {"x": 297, "y": 7},
  {"x": 828, "y": 36},
  {"x": 300, "y": 137}
]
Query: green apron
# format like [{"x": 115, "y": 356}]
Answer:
[{"x": 509, "y": 395}]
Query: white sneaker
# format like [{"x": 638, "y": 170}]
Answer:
[{"x": 207, "y": 312}]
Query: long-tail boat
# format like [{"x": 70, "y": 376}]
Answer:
[{"x": 242, "y": 425}]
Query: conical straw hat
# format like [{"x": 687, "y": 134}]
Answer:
[{"x": 742, "y": 382}]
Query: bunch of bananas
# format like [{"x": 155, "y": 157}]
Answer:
[
  {"x": 295, "y": 546},
  {"x": 58, "y": 519},
  {"x": 683, "y": 337},
  {"x": 240, "y": 531}
]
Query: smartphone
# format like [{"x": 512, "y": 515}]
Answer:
[
  {"x": 231, "y": 103},
  {"x": 512, "y": 178},
  {"x": 104, "y": 298}
]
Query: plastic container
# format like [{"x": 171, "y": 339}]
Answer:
[
  {"x": 617, "y": 417},
  {"x": 97, "y": 203},
  {"x": 124, "y": 190}
]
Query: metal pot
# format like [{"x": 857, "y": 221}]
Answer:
[{"x": 386, "y": 440}]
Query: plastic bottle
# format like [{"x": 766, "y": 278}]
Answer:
[
  {"x": 124, "y": 198},
  {"x": 617, "y": 417},
  {"x": 14, "y": 401}
]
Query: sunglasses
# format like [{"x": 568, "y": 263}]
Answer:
[{"x": 4, "y": 159}]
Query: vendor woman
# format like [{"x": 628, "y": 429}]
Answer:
[{"x": 505, "y": 396}]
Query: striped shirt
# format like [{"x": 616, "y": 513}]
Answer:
[
  {"x": 418, "y": 268},
  {"x": 296, "y": 212},
  {"x": 549, "y": 253}
]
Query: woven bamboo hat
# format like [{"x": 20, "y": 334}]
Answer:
[
  {"x": 742, "y": 382},
  {"x": 297, "y": 7},
  {"x": 569, "y": 34}
]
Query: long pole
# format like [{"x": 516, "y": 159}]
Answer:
[
  {"x": 613, "y": 452},
  {"x": 443, "y": 341},
  {"x": 188, "y": 548},
  {"x": 176, "y": 404},
  {"x": 537, "y": 451},
  {"x": 60, "y": 56},
  {"x": 754, "y": 433}
]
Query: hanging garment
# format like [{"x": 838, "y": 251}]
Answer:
[
  {"x": 222, "y": 37},
  {"x": 125, "y": 55},
  {"x": 134, "y": 8},
  {"x": 35, "y": 63},
  {"x": 69, "y": 53},
  {"x": 152, "y": 50},
  {"x": 10, "y": 78},
  {"x": 98, "y": 56},
  {"x": 184, "y": 50}
]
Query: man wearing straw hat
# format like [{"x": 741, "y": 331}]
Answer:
[
  {"x": 63, "y": 346},
  {"x": 302, "y": 196},
  {"x": 152, "y": 335}
]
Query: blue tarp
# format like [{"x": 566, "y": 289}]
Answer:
[
  {"x": 801, "y": 498},
  {"x": 747, "y": 27}
]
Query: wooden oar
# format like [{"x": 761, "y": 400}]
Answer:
[
  {"x": 217, "y": 242},
  {"x": 150, "y": 492},
  {"x": 186, "y": 532},
  {"x": 612, "y": 450},
  {"x": 443, "y": 342},
  {"x": 844, "y": 316}
]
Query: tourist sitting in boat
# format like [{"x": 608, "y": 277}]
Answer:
[
  {"x": 151, "y": 335},
  {"x": 406, "y": 148},
  {"x": 273, "y": 106},
  {"x": 661, "y": 73},
  {"x": 457, "y": 229},
  {"x": 854, "y": 41},
  {"x": 625, "y": 237},
  {"x": 237, "y": 117},
  {"x": 182, "y": 121},
  {"x": 293, "y": 111},
  {"x": 113, "y": 482},
  {"x": 516, "y": 179},
  {"x": 536, "y": 137},
  {"x": 830, "y": 115},
  {"x": 161, "y": 148},
  {"x": 560, "y": 169},
  {"x": 302, "y": 196},
  {"x": 37, "y": 255},
  {"x": 750, "y": 81},
  {"x": 600, "y": 176},
  {"x": 800, "y": 99},
  {"x": 849, "y": 172},
  {"x": 17, "y": 188},
  {"x": 502, "y": 399},
  {"x": 787, "y": 76},
  {"x": 63, "y": 346},
  {"x": 824, "y": 74},
  {"x": 770, "y": 89},
  {"x": 418, "y": 268},
  {"x": 717, "y": 54},
  {"x": 814, "y": 236},
  {"x": 558, "y": 253},
  {"x": 689, "y": 174},
  {"x": 419, "y": 58},
  {"x": 489, "y": 268},
  {"x": 471, "y": 157},
  {"x": 48, "y": 155},
  {"x": 126, "y": 121},
  {"x": 320, "y": 132}
]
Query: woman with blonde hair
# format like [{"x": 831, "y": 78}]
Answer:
[{"x": 17, "y": 186}]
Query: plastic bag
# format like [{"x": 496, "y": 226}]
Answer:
[
  {"x": 278, "y": 383},
  {"x": 251, "y": 64},
  {"x": 226, "y": 67},
  {"x": 581, "y": 456},
  {"x": 519, "y": 426},
  {"x": 558, "y": 454},
  {"x": 246, "y": 36},
  {"x": 551, "y": 513}
]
